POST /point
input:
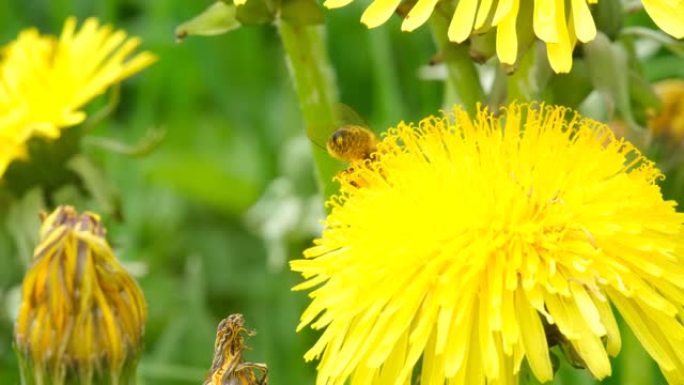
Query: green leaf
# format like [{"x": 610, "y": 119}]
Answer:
[
  {"x": 96, "y": 183},
  {"x": 671, "y": 44},
  {"x": 203, "y": 181},
  {"x": 217, "y": 19},
  {"x": 572, "y": 88},
  {"x": 23, "y": 222},
  {"x": 609, "y": 72},
  {"x": 663, "y": 67},
  {"x": 643, "y": 96},
  {"x": 152, "y": 139}
]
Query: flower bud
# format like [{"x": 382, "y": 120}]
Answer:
[{"x": 82, "y": 316}]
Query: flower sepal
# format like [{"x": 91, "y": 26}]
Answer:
[
  {"x": 258, "y": 12},
  {"x": 301, "y": 12},
  {"x": 483, "y": 46},
  {"x": 217, "y": 19},
  {"x": 609, "y": 17}
]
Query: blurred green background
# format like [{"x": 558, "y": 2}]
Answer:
[{"x": 209, "y": 218}]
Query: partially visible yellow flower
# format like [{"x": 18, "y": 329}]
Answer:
[
  {"x": 669, "y": 122},
  {"x": 558, "y": 23},
  {"x": 82, "y": 315},
  {"x": 468, "y": 235},
  {"x": 45, "y": 81}
]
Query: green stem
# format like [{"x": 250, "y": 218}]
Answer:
[
  {"x": 522, "y": 85},
  {"x": 390, "y": 107},
  {"x": 314, "y": 80},
  {"x": 463, "y": 81},
  {"x": 636, "y": 367},
  {"x": 497, "y": 97}
]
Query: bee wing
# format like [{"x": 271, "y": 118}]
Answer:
[{"x": 344, "y": 116}]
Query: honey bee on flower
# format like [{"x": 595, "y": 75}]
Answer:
[
  {"x": 350, "y": 141},
  {"x": 481, "y": 241}
]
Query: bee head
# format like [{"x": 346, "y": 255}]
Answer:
[{"x": 341, "y": 138}]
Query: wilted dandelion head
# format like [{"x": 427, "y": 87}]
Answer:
[
  {"x": 46, "y": 80},
  {"x": 468, "y": 236},
  {"x": 81, "y": 314}
]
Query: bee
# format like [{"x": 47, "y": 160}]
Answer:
[
  {"x": 349, "y": 139},
  {"x": 228, "y": 367},
  {"x": 351, "y": 143}
]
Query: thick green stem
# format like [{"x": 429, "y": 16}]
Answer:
[
  {"x": 314, "y": 81},
  {"x": 463, "y": 81},
  {"x": 522, "y": 84},
  {"x": 388, "y": 101}
]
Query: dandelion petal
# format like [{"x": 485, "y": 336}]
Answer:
[
  {"x": 378, "y": 12},
  {"x": 583, "y": 21},
  {"x": 506, "y": 36},
  {"x": 462, "y": 22},
  {"x": 668, "y": 15},
  {"x": 418, "y": 14}
]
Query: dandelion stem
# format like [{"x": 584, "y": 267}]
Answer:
[
  {"x": 463, "y": 82},
  {"x": 388, "y": 97},
  {"x": 522, "y": 85},
  {"x": 314, "y": 80}
]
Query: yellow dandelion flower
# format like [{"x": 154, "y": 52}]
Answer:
[
  {"x": 10, "y": 150},
  {"x": 669, "y": 122},
  {"x": 469, "y": 235},
  {"x": 558, "y": 23},
  {"x": 82, "y": 315},
  {"x": 45, "y": 80}
]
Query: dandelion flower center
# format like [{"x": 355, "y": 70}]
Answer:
[{"x": 467, "y": 235}]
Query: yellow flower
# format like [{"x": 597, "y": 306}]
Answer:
[
  {"x": 557, "y": 23},
  {"x": 669, "y": 122},
  {"x": 82, "y": 315},
  {"x": 45, "y": 81},
  {"x": 468, "y": 235}
]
